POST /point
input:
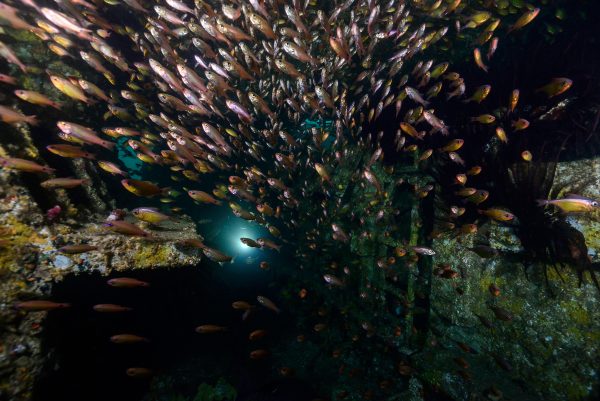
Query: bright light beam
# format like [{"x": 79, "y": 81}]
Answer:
[{"x": 240, "y": 233}]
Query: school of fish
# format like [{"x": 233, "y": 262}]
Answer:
[{"x": 210, "y": 88}]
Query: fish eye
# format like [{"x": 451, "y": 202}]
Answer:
[{"x": 595, "y": 204}]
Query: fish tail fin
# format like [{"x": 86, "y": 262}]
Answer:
[
  {"x": 542, "y": 202},
  {"x": 109, "y": 77},
  {"x": 32, "y": 120}
]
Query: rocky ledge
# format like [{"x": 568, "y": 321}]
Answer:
[{"x": 30, "y": 264}]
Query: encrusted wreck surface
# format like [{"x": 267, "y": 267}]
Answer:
[
  {"x": 582, "y": 177},
  {"x": 30, "y": 264},
  {"x": 527, "y": 338}
]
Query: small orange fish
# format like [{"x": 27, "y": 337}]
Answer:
[
  {"x": 466, "y": 192},
  {"x": 125, "y": 228},
  {"x": 460, "y": 179},
  {"x": 475, "y": 170},
  {"x": 520, "y": 124},
  {"x": 493, "y": 47},
  {"x": 7, "y": 79},
  {"x": 453, "y": 145},
  {"x": 141, "y": 188},
  {"x": 484, "y": 119},
  {"x": 259, "y": 354},
  {"x": 571, "y": 204},
  {"x": 556, "y": 87},
  {"x": 257, "y": 335},
  {"x": 210, "y": 329},
  {"x": 494, "y": 290},
  {"x": 514, "y": 99},
  {"x": 36, "y": 306},
  {"x": 128, "y": 339},
  {"x": 479, "y": 60},
  {"x": 468, "y": 228},
  {"x": 525, "y": 19},
  {"x": 11, "y": 116},
  {"x": 64, "y": 183},
  {"x": 526, "y": 155},
  {"x": 478, "y": 197},
  {"x": 70, "y": 151},
  {"x": 497, "y": 214},
  {"x": 501, "y": 134},
  {"x": 399, "y": 251},
  {"x": 111, "y": 308},
  {"x": 457, "y": 211},
  {"x": 126, "y": 282},
  {"x": 78, "y": 248},
  {"x": 36, "y": 98},
  {"x": 426, "y": 154}
]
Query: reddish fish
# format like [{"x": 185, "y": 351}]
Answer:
[
  {"x": 24, "y": 165},
  {"x": 111, "y": 308},
  {"x": 123, "y": 227},
  {"x": 127, "y": 282},
  {"x": 128, "y": 339},
  {"x": 210, "y": 328},
  {"x": 39, "y": 305},
  {"x": 11, "y": 116}
]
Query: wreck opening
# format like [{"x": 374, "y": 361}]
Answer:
[{"x": 83, "y": 363}]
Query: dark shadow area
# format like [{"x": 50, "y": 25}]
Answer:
[{"x": 84, "y": 364}]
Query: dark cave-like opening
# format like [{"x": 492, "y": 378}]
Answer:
[{"x": 83, "y": 363}]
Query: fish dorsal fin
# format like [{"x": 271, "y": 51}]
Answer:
[{"x": 575, "y": 196}]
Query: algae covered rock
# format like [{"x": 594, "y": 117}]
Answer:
[
  {"x": 499, "y": 325},
  {"x": 30, "y": 264}
]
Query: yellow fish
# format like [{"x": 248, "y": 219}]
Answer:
[{"x": 571, "y": 204}]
